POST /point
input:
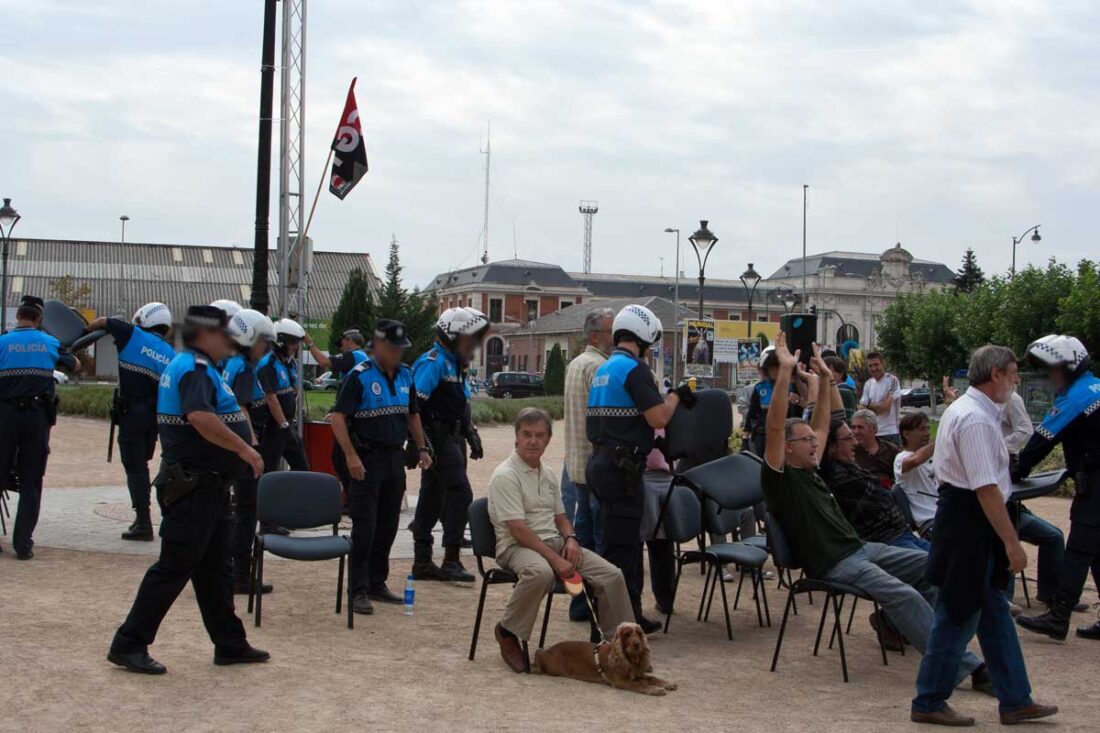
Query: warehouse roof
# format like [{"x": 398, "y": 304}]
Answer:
[{"x": 506, "y": 272}]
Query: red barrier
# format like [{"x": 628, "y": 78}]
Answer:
[{"x": 318, "y": 445}]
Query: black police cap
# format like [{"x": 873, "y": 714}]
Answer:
[
  {"x": 392, "y": 332},
  {"x": 206, "y": 316},
  {"x": 32, "y": 302}
]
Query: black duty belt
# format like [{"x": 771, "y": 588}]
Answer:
[
  {"x": 23, "y": 404},
  {"x": 449, "y": 428}
]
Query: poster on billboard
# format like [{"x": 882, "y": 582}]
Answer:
[
  {"x": 748, "y": 356},
  {"x": 699, "y": 349}
]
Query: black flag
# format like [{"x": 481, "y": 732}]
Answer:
[{"x": 349, "y": 162}]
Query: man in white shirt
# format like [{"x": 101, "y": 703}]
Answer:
[
  {"x": 882, "y": 396},
  {"x": 913, "y": 470},
  {"x": 974, "y": 549}
]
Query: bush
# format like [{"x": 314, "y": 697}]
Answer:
[
  {"x": 555, "y": 372},
  {"x": 93, "y": 400}
]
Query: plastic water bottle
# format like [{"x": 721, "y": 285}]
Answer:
[{"x": 410, "y": 596}]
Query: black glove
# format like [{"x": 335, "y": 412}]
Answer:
[
  {"x": 473, "y": 438},
  {"x": 412, "y": 455},
  {"x": 686, "y": 395}
]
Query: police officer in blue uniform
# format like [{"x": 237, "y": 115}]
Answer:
[
  {"x": 376, "y": 410},
  {"x": 1073, "y": 421},
  {"x": 761, "y": 399},
  {"x": 444, "y": 394},
  {"x": 252, "y": 333},
  {"x": 143, "y": 353},
  {"x": 278, "y": 375},
  {"x": 28, "y": 408},
  {"x": 624, "y": 409},
  {"x": 352, "y": 351},
  {"x": 205, "y": 441}
]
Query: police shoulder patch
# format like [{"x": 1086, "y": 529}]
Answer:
[
  {"x": 433, "y": 355},
  {"x": 362, "y": 367},
  {"x": 201, "y": 360}
]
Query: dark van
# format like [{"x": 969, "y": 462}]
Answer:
[{"x": 516, "y": 384}]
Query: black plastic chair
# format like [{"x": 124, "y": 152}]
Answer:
[
  {"x": 484, "y": 540},
  {"x": 682, "y": 522},
  {"x": 299, "y": 500},
  {"x": 834, "y": 596},
  {"x": 902, "y": 501}
]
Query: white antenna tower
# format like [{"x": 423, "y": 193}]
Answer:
[
  {"x": 485, "y": 227},
  {"x": 588, "y": 209},
  {"x": 292, "y": 117}
]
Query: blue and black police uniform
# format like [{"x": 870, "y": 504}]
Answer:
[
  {"x": 622, "y": 390},
  {"x": 444, "y": 394},
  {"x": 756, "y": 416},
  {"x": 28, "y": 409},
  {"x": 193, "y": 493},
  {"x": 1074, "y": 421},
  {"x": 342, "y": 364},
  {"x": 240, "y": 375},
  {"x": 279, "y": 376},
  {"x": 142, "y": 357},
  {"x": 377, "y": 406}
]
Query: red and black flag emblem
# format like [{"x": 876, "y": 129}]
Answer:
[{"x": 349, "y": 162}]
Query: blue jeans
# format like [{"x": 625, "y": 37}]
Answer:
[
  {"x": 1052, "y": 547},
  {"x": 583, "y": 509},
  {"x": 909, "y": 541},
  {"x": 1000, "y": 646},
  {"x": 894, "y": 577}
]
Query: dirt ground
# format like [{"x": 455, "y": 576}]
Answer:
[{"x": 58, "y": 612}]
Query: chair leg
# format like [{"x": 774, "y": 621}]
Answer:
[
  {"x": 477, "y": 618},
  {"x": 706, "y": 584},
  {"x": 878, "y": 633},
  {"x": 259, "y": 584},
  {"x": 526, "y": 659},
  {"x": 725, "y": 604},
  {"x": 740, "y": 582},
  {"x": 340, "y": 585},
  {"x": 782, "y": 627},
  {"x": 790, "y": 584},
  {"x": 840, "y": 638},
  {"x": 675, "y": 588},
  {"x": 764, "y": 597},
  {"x": 832, "y": 634},
  {"x": 546, "y": 617},
  {"x": 252, "y": 573},
  {"x": 821, "y": 623},
  {"x": 351, "y": 616},
  {"x": 851, "y": 615},
  {"x": 1023, "y": 582},
  {"x": 716, "y": 577},
  {"x": 756, "y": 580}
]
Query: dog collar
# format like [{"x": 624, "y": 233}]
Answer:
[{"x": 596, "y": 657}]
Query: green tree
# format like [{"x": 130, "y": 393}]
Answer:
[
  {"x": 355, "y": 310},
  {"x": 890, "y": 336},
  {"x": 391, "y": 301},
  {"x": 934, "y": 346},
  {"x": 978, "y": 314},
  {"x": 1028, "y": 304},
  {"x": 969, "y": 276},
  {"x": 554, "y": 377},
  {"x": 420, "y": 314},
  {"x": 1080, "y": 308}
]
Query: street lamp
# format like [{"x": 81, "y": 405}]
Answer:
[
  {"x": 9, "y": 217},
  {"x": 789, "y": 298},
  {"x": 675, "y": 310},
  {"x": 124, "y": 219},
  {"x": 1016, "y": 240},
  {"x": 703, "y": 241},
  {"x": 750, "y": 276}
]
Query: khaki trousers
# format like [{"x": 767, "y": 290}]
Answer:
[{"x": 536, "y": 579}]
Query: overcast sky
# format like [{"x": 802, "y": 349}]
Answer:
[{"x": 947, "y": 124}]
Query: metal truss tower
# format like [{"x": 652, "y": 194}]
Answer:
[
  {"x": 588, "y": 209},
  {"x": 293, "y": 259}
]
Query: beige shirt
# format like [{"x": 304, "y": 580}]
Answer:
[
  {"x": 517, "y": 491},
  {"x": 578, "y": 381}
]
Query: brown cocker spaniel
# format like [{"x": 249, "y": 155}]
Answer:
[{"x": 623, "y": 662}]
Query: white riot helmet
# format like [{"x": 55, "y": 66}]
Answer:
[
  {"x": 640, "y": 322},
  {"x": 230, "y": 307},
  {"x": 455, "y": 322},
  {"x": 249, "y": 326},
  {"x": 287, "y": 330},
  {"x": 1057, "y": 350},
  {"x": 152, "y": 315},
  {"x": 768, "y": 351}
]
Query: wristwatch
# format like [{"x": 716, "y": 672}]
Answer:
[
  {"x": 424, "y": 449},
  {"x": 571, "y": 537},
  {"x": 284, "y": 426}
]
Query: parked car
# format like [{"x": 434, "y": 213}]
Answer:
[
  {"x": 919, "y": 397},
  {"x": 60, "y": 377},
  {"x": 327, "y": 381},
  {"x": 515, "y": 384}
]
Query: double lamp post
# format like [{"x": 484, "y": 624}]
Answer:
[{"x": 9, "y": 217}]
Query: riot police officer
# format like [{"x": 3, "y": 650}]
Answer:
[
  {"x": 443, "y": 392},
  {"x": 143, "y": 353},
  {"x": 252, "y": 333},
  {"x": 28, "y": 408},
  {"x": 624, "y": 408},
  {"x": 278, "y": 375},
  {"x": 205, "y": 442},
  {"x": 375, "y": 411},
  {"x": 1073, "y": 421}
]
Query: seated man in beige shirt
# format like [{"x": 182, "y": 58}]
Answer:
[{"x": 535, "y": 540}]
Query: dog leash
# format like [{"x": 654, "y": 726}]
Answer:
[{"x": 596, "y": 621}]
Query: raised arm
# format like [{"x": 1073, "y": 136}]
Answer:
[
  {"x": 776, "y": 421},
  {"x": 828, "y": 401}
]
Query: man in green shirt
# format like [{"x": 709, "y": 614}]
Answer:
[{"x": 820, "y": 536}]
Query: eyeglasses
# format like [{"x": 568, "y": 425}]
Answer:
[
  {"x": 811, "y": 438},
  {"x": 846, "y": 438}
]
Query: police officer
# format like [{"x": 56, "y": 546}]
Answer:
[
  {"x": 205, "y": 442},
  {"x": 143, "y": 353},
  {"x": 375, "y": 410},
  {"x": 443, "y": 392},
  {"x": 1073, "y": 421},
  {"x": 352, "y": 351},
  {"x": 278, "y": 375},
  {"x": 252, "y": 333},
  {"x": 761, "y": 399},
  {"x": 624, "y": 408},
  {"x": 28, "y": 408}
]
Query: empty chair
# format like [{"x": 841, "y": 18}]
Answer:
[{"x": 299, "y": 500}]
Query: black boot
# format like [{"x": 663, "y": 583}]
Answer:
[
  {"x": 452, "y": 566},
  {"x": 1054, "y": 623},
  {"x": 424, "y": 568},
  {"x": 142, "y": 528},
  {"x": 1089, "y": 632}
]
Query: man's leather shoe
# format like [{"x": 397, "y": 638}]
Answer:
[
  {"x": 892, "y": 640},
  {"x": 383, "y": 594},
  {"x": 1054, "y": 623},
  {"x": 1089, "y": 632},
  {"x": 510, "y": 649},
  {"x": 360, "y": 603},
  {"x": 455, "y": 572},
  {"x": 1034, "y": 711},
  {"x": 980, "y": 681},
  {"x": 139, "y": 662},
  {"x": 247, "y": 654},
  {"x": 24, "y": 555},
  {"x": 139, "y": 532},
  {"x": 649, "y": 625},
  {"x": 947, "y": 717},
  {"x": 244, "y": 587},
  {"x": 428, "y": 571}
]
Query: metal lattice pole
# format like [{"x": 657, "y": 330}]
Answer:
[{"x": 588, "y": 209}]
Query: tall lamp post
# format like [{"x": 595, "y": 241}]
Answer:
[
  {"x": 9, "y": 217},
  {"x": 789, "y": 298},
  {"x": 1016, "y": 240},
  {"x": 703, "y": 241},
  {"x": 675, "y": 310},
  {"x": 750, "y": 278},
  {"x": 124, "y": 219}
]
